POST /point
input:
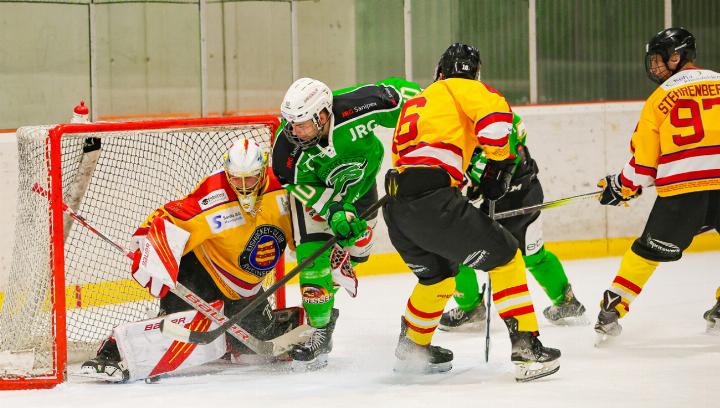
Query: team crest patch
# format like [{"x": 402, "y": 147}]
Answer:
[{"x": 263, "y": 250}]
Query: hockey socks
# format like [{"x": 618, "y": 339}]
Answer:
[
  {"x": 633, "y": 274},
  {"x": 511, "y": 295},
  {"x": 316, "y": 285},
  {"x": 467, "y": 294},
  {"x": 549, "y": 273},
  {"x": 424, "y": 308}
]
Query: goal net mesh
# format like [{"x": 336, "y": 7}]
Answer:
[{"x": 136, "y": 172}]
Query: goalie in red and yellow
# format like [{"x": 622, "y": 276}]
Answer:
[{"x": 219, "y": 241}]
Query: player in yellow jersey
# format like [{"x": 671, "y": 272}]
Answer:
[
  {"x": 434, "y": 227},
  {"x": 219, "y": 241},
  {"x": 676, "y": 148}
]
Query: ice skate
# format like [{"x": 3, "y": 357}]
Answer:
[
  {"x": 457, "y": 319},
  {"x": 532, "y": 360},
  {"x": 413, "y": 358},
  {"x": 712, "y": 317},
  {"x": 107, "y": 365},
  {"x": 312, "y": 355},
  {"x": 607, "y": 324},
  {"x": 568, "y": 313}
]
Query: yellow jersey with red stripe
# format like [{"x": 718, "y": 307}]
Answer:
[
  {"x": 676, "y": 144},
  {"x": 442, "y": 126},
  {"x": 235, "y": 247}
]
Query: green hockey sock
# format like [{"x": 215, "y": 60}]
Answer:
[
  {"x": 467, "y": 294},
  {"x": 316, "y": 285},
  {"x": 549, "y": 273}
]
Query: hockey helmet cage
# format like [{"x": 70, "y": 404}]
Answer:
[
  {"x": 666, "y": 43},
  {"x": 303, "y": 102},
  {"x": 245, "y": 166}
]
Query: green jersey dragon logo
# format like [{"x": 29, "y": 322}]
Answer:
[{"x": 345, "y": 175}]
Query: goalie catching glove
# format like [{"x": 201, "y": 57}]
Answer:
[
  {"x": 156, "y": 262},
  {"x": 614, "y": 192},
  {"x": 345, "y": 223}
]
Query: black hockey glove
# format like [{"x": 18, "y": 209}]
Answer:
[
  {"x": 496, "y": 179},
  {"x": 614, "y": 193}
]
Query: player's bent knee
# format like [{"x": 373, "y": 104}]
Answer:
[{"x": 655, "y": 250}]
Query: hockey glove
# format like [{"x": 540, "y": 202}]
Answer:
[
  {"x": 156, "y": 263},
  {"x": 345, "y": 223},
  {"x": 614, "y": 193},
  {"x": 496, "y": 178}
]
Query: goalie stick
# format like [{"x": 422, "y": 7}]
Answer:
[
  {"x": 274, "y": 347},
  {"x": 186, "y": 335},
  {"x": 543, "y": 206}
]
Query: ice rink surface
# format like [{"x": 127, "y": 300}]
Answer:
[{"x": 663, "y": 358}]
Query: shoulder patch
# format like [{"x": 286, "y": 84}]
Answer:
[{"x": 210, "y": 193}]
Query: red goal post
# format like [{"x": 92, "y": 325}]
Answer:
[{"x": 67, "y": 288}]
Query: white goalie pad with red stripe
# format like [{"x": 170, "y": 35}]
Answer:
[
  {"x": 147, "y": 352},
  {"x": 160, "y": 252}
]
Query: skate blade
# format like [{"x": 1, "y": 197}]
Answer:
[
  {"x": 421, "y": 367},
  {"x": 525, "y": 372},
  {"x": 467, "y": 327},
  {"x": 581, "y": 320},
  {"x": 318, "y": 363},
  {"x": 103, "y": 376}
]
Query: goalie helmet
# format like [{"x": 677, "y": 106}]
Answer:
[
  {"x": 665, "y": 44},
  {"x": 245, "y": 167},
  {"x": 303, "y": 102},
  {"x": 459, "y": 61}
]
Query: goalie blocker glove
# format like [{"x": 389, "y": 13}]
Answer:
[
  {"x": 157, "y": 261},
  {"x": 614, "y": 192}
]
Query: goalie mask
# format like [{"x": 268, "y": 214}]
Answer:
[
  {"x": 301, "y": 108},
  {"x": 662, "y": 46},
  {"x": 245, "y": 167},
  {"x": 459, "y": 61}
]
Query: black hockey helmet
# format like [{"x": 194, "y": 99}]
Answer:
[
  {"x": 459, "y": 61},
  {"x": 666, "y": 43}
]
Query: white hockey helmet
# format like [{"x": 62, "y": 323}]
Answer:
[
  {"x": 245, "y": 167},
  {"x": 303, "y": 102}
]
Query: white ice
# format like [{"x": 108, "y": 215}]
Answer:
[{"x": 663, "y": 358}]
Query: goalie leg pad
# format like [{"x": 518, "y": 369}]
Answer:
[{"x": 147, "y": 353}]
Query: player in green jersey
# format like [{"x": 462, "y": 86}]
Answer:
[
  {"x": 328, "y": 156},
  {"x": 524, "y": 190}
]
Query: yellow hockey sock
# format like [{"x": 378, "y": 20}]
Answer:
[
  {"x": 511, "y": 295},
  {"x": 633, "y": 274},
  {"x": 424, "y": 308}
]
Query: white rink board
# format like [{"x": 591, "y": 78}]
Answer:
[{"x": 575, "y": 145}]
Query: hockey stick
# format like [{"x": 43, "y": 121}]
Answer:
[
  {"x": 488, "y": 295},
  {"x": 190, "y": 336},
  {"x": 543, "y": 206},
  {"x": 276, "y": 346}
]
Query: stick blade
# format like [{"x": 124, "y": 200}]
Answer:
[{"x": 174, "y": 331}]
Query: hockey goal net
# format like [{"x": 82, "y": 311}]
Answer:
[{"x": 67, "y": 288}]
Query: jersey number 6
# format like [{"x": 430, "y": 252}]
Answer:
[{"x": 402, "y": 137}]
